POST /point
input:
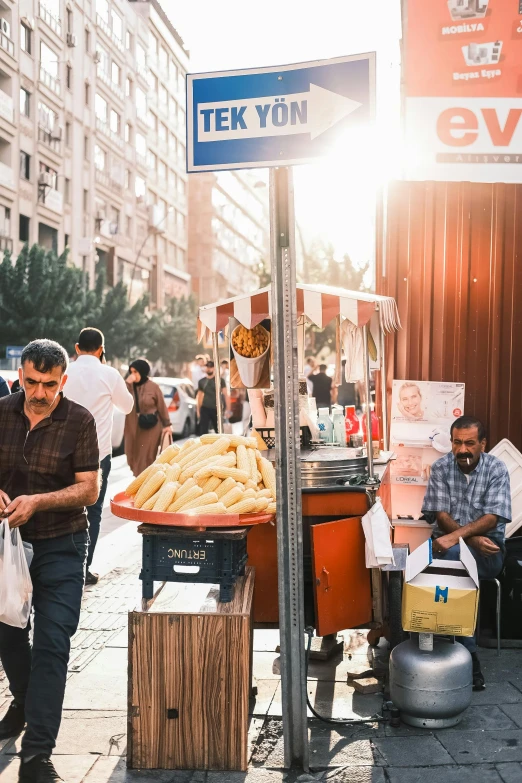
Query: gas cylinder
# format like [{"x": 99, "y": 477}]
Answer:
[{"x": 431, "y": 687}]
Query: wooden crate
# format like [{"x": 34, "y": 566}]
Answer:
[{"x": 190, "y": 673}]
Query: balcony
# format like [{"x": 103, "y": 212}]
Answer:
[
  {"x": 102, "y": 24},
  {"x": 52, "y": 199},
  {"x": 6, "y": 106},
  {"x": 6, "y": 44},
  {"x": 109, "y": 134},
  {"x": 102, "y": 178},
  {"x": 6, "y": 243},
  {"x": 6, "y": 176},
  {"x": 49, "y": 80},
  {"x": 46, "y": 136},
  {"x": 106, "y": 79},
  {"x": 52, "y": 21}
]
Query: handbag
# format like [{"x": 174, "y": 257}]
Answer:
[{"x": 146, "y": 421}]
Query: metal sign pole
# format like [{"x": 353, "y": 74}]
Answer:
[
  {"x": 368, "y": 393},
  {"x": 288, "y": 468}
]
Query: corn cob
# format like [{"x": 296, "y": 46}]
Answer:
[
  {"x": 223, "y": 472},
  {"x": 193, "y": 493},
  {"x": 259, "y": 477},
  {"x": 185, "y": 488},
  {"x": 250, "y": 493},
  {"x": 227, "y": 461},
  {"x": 166, "y": 496},
  {"x": 264, "y": 493},
  {"x": 233, "y": 496},
  {"x": 225, "y": 486},
  {"x": 253, "y": 464},
  {"x": 204, "y": 452},
  {"x": 172, "y": 473},
  {"x": 243, "y": 461},
  {"x": 261, "y": 504},
  {"x": 250, "y": 484},
  {"x": 202, "y": 500},
  {"x": 271, "y": 508},
  {"x": 190, "y": 454},
  {"x": 169, "y": 454},
  {"x": 245, "y": 506},
  {"x": 240, "y": 440},
  {"x": 211, "y": 484},
  {"x": 149, "y": 504},
  {"x": 269, "y": 478},
  {"x": 150, "y": 488},
  {"x": 212, "y": 508},
  {"x": 136, "y": 483},
  {"x": 210, "y": 437}
]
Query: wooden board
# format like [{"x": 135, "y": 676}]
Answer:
[{"x": 195, "y": 658}]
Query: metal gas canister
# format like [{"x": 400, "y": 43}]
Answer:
[{"x": 431, "y": 687}]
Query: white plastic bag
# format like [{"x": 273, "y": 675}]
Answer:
[
  {"x": 16, "y": 588},
  {"x": 376, "y": 526}
]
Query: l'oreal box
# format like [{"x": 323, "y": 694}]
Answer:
[{"x": 440, "y": 596}]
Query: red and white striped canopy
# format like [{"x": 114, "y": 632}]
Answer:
[{"x": 319, "y": 304}]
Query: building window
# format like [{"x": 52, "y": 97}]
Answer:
[
  {"x": 25, "y": 102},
  {"x": 153, "y": 44},
  {"x": 141, "y": 144},
  {"x": 85, "y": 200},
  {"x": 117, "y": 25},
  {"x": 128, "y": 132},
  {"x": 23, "y": 231},
  {"x": 116, "y": 73},
  {"x": 54, "y": 174},
  {"x": 115, "y": 122},
  {"x": 66, "y": 240},
  {"x": 67, "y": 191},
  {"x": 87, "y": 40},
  {"x": 25, "y": 38},
  {"x": 48, "y": 60},
  {"x": 101, "y": 108},
  {"x": 141, "y": 102},
  {"x": 100, "y": 158},
  {"x": 152, "y": 121},
  {"x": 69, "y": 15},
  {"x": 152, "y": 161},
  {"x": 128, "y": 225},
  {"x": 68, "y": 76},
  {"x": 139, "y": 187},
  {"x": 164, "y": 59},
  {"x": 25, "y": 165},
  {"x": 68, "y": 134},
  {"x": 86, "y": 148},
  {"x": 128, "y": 41},
  {"x": 87, "y": 93},
  {"x": 128, "y": 88},
  {"x": 102, "y": 8},
  {"x": 128, "y": 179}
]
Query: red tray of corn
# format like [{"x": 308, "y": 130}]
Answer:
[{"x": 123, "y": 507}]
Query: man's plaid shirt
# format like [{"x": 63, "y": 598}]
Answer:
[
  {"x": 488, "y": 492},
  {"x": 45, "y": 459}
]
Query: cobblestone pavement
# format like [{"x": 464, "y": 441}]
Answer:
[{"x": 485, "y": 748}]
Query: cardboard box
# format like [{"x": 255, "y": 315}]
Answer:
[{"x": 440, "y": 596}]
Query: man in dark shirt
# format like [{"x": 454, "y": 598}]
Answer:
[
  {"x": 322, "y": 387},
  {"x": 49, "y": 463},
  {"x": 4, "y": 388},
  {"x": 206, "y": 400}
]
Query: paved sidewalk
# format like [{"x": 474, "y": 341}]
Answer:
[{"x": 485, "y": 748}]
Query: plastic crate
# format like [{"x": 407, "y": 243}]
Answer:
[
  {"x": 268, "y": 435},
  {"x": 220, "y": 557}
]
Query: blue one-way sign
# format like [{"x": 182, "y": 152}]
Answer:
[
  {"x": 275, "y": 116},
  {"x": 14, "y": 351}
]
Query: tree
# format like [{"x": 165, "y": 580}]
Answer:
[{"x": 173, "y": 333}]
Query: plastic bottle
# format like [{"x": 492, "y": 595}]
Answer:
[
  {"x": 339, "y": 427},
  {"x": 375, "y": 425},
  {"x": 325, "y": 426},
  {"x": 351, "y": 422}
]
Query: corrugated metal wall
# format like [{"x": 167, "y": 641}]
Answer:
[{"x": 451, "y": 255}]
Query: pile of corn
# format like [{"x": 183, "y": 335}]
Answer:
[{"x": 214, "y": 474}]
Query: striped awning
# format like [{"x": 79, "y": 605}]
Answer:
[{"x": 319, "y": 304}]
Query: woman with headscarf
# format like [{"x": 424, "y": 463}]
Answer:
[{"x": 149, "y": 420}]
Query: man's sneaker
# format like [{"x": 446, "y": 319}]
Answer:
[
  {"x": 479, "y": 682},
  {"x": 13, "y": 721},
  {"x": 39, "y": 769},
  {"x": 91, "y": 579}
]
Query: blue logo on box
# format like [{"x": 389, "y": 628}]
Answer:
[{"x": 441, "y": 595}]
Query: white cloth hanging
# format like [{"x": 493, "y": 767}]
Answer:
[
  {"x": 376, "y": 527},
  {"x": 353, "y": 349}
]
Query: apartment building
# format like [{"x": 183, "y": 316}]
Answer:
[
  {"x": 228, "y": 232},
  {"x": 80, "y": 81}
]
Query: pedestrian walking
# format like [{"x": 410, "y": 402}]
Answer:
[
  {"x": 4, "y": 387},
  {"x": 49, "y": 462},
  {"x": 206, "y": 399},
  {"x": 198, "y": 369},
  {"x": 98, "y": 387},
  {"x": 322, "y": 388},
  {"x": 146, "y": 424}
]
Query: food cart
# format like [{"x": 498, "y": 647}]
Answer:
[{"x": 339, "y": 591}]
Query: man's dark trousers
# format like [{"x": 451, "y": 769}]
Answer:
[
  {"x": 207, "y": 419},
  {"x": 94, "y": 512},
  {"x": 37, "y": 676}
]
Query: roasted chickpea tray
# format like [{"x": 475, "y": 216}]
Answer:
[{"x": 215, "y": 477}]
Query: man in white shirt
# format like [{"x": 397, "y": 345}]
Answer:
[
  {"x": 198, "y": 370},
  {"x": 91, "y": 383}
]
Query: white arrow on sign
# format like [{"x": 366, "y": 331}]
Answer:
[{"x": 312, "y": 112}]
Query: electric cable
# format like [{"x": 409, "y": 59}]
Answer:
[{"x": 309, "y": 631}]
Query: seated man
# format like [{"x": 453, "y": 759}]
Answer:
[{"x": 469, "y": 497}]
